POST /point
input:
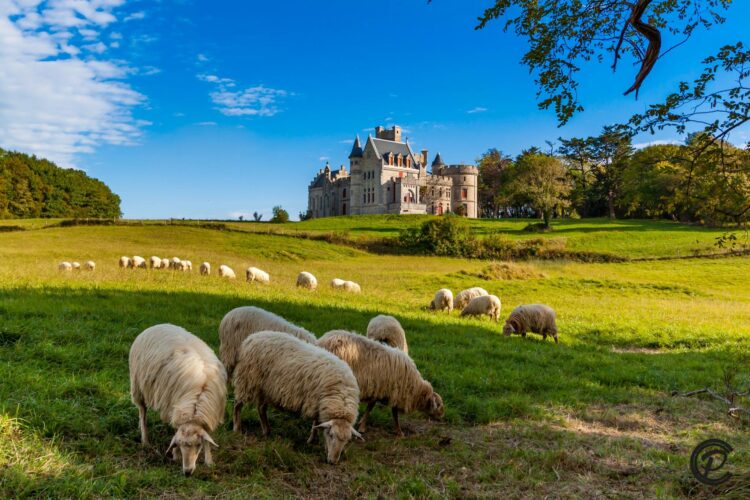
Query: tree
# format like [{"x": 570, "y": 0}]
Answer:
[
  {"x": 576, "y": 154},
  {"x": 257, "y": 217},
  {"x": 493, "y": 167},
  {"x": 543, "y": 180},
  {"x": 279, "y": 214},
  {"x": 609, "y": 154}
]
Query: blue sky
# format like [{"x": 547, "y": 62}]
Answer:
[{"x": 214, "y": 109}]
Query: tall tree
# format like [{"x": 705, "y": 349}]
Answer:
[
  {"x": 543, "y": 180},
  {"x": 493, "y": 167},
  {"x": 576, "y": 153},
  {"x": 610, "y": 152}
]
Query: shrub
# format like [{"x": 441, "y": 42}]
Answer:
[
  {"x": 537, "y": 227},
  {"x": 447, "y": 236},
  {"x": 510, "y": 271},
  {"x": 305, "y": 215},
  {"x": 279, "y": 215}
]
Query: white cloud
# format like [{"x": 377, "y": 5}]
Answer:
[
  {"x": 252, "y": 101},
  {"x": 53, "y": 102},
  {"x": 135, "y": 16},
  {"x": 658, "y": 142},
  {"x": 150, "y": 70},
  {"x": 478, "y": 109},
  {"x": 202, "y": 58},
  {"x": 206, "y": 124},
  {"x": 324, "y": 158}
]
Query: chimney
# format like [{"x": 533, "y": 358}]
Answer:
[
  {"x": 424, "y": 158},
  {"x": 397, "y": 133},
  {"x": 379, "y": 132}
]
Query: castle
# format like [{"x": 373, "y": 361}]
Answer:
[{"x": 387, "y": 177}]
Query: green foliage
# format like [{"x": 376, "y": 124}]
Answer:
[
  {"x": 279, "y": 215},
  {"x": 447, "y": 235},
  {"x": 543, "y": 181},
  {"x": 33, "y": 188}
]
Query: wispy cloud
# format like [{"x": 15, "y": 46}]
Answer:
[
  {"x": 201, "y": 58},
  {"x": 324, "y": 158},
  {"x": 135, "y": 16},
  {"x": 206, "y": 124},
  {"x": 59, "y": 94},
  {"x": 478, "y": 109},
  {"x": 257, "y": 100}
]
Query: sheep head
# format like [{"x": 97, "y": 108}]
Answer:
[
  {"x": 190, "y": 439},
  {"x": 337, "y": 433},
  {"x": 430, "y": 403},
  {"x": 510, "y": 327}
]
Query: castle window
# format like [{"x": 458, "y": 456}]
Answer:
[
  {"x": 464, "y": 193},
  {"x": 408, "y": 162},
  {"x": 464, "y": 178},
  {"x": 344, "y": 196}
]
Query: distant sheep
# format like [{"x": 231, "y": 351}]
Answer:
[
  {"x": 226, "y": 272},
  {"x": 243, "y": 321},
  {"x": 90, "y": 265},
  {"x": 465, "y": 296},
  {"x": 76, "y": 265},
  {"x": 138, "y": 262},
  {"x": 384, "y": 374},
  {"x": 155, "y": 262},
  {"x": 175, "y": 373},
  {"x": 65, "y": 266},
  {"x": 443, "y": 300},
  {"x": 535, "y": 318},
  {"x": 278, "y": 370},
  {"x": 307, "y": 280},
  {"x": 255, "y": 274},
  {"x": 337, "y": 283},
  {"x": 165, "y": 264},
  {"x": 186, "y": 265},
  {"x": 488, "y": 305},
  {"x": 175, "y": 263},
  {"x": 352, "y": 287},
  {"x": 124, "y": 261},
  {"x": 205, "y": 269},
  {"x": 387, "y": 330}
]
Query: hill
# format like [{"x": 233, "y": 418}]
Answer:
[{"x": 33, "y": 187}]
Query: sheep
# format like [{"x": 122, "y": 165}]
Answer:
[
  {"x": 387, "y": 330},
  {"x": 484, "y": 304},
  {"x": 76, "y": 266},
  {"x": 65, "y": 266},
  {"x": 175, "y": 373},
  {"x": 255, "y": 274},
  {"x": 165, "y": 264},
  {"x": 174, "y": 263},
  {"x": 186, "y": 265},
  {"x": 155, "y": 262},
  {"x": 205, "y": 269},
  {"x": 465, "y": 296},
  {"x": 443, "y": 300},
  {"x": 90, "y": 265},
  {"x": 276, "y": 369},
  {"x": 535, "y": 318},
  {"x": 384, "y": 374},
  {"x": 352, "y": 287},
  {"x": 226, "y": 272},
  {"x": 307, "y": 280},
  {"x": 243, "y": 321},
  {"x": 337, "y": 283},
  {"x": 138, "y": 261},
  {"x": 124, "y": 261}
]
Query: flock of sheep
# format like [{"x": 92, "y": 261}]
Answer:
[{"x": 270, "y": 361}]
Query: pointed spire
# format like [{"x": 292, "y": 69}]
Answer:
[
  {"x": 438, "y": 161},
  {"x": 356, "y": 149}
]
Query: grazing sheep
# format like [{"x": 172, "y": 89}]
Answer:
[
  {"x": 443, "y": 300},
  {"x": 90, "y": 265},
  {"x": 65, "y": 266},
  {"x": 175, "y": 373},
  {"x": 226, "y": 272},
  {"x": 387, "y": 330},
  {"x": 174, "y": 263},
  {"x": 352, "y": 287},
  {"x": 483, "y": 305},
  {"x": 76, "y": 265},
  {"x": 535, "y": 318},
  {"x": 337, "y": 283},
  {"x": 279, "y": 370},
  {"x": 138, "y": 262},
  {"x": 465, "y": 296},
  {"x": 255, "y": 274},
  {"x": 307, "y": 280},
  {"x": 241, "y": 322},
  {"x": 385, "y": 375},
  {"x": 186, "y": 265},
  {"x": 165, "y": 264},
  {"x": 124, "y": 261},
  {"x": 205, "y": 269},
  {"x": 155, "y": 262}
]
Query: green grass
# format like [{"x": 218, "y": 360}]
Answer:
[{"x": 523, "y": 417}]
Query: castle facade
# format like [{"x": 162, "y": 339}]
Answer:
[{"x": 387, "y": 177}]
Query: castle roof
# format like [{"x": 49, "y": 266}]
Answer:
[
  {"x": 383, "y": 147},
  {"x": 356, "y": 149},
  {"x": 438, "y": 161}
]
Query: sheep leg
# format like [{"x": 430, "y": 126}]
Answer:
[
  {"x": 363, "y": 420},
  {"x": 142, "y": 423},
  {"x": 313, "y": 432},
  {"x": 396, "y": 425},
  {"x": 236, "y": 419},
  {"x": 262, "y": 413}
]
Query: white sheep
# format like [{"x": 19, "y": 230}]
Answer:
[
  {"x": 165, "y": 263},
  {"x": 205, "y": 269},
  {"x": 138, "y": 262},
  {"x": 243, "y": 321},
  {"x": 279, "y": 370},
  {"x": 175, "y": 373},
  {"x": 307, "y": 280},
  {"x": 65, "y": 266},
  {"x": 226, "y": 272},
  {"x": 387, "y": 330},
  {"x": 155, "y": 262},
  {"x": 174, "y": 263},
  {"x": 76, "y": 265},
  {"x": 465, "y": 296},
  {"x": 90, "y": 265},
  {"x": 443, "y": 300},
  {"x": 535, "y": 318},
  {"x": 483, "y": 305},
  {"x": 385, "y": 375},
  {"x": 352, "y": 287},
  {"x": 186, "y": 265},
  {"x": 255, "y": 274},
  {"x": 124, "y": 261},
  {"x": 337, "y": 283}
]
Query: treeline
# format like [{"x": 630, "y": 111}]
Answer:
[
  {"x": 702, "y": 181},
  {"x": 31, "y": 187}
]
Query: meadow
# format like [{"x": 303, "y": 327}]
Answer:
[{"x": 591, "y": 417}]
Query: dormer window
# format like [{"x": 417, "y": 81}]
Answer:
[{"x": 408, "y": 163}]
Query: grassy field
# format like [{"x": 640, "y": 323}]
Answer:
[{"x": 591, "y": 417}]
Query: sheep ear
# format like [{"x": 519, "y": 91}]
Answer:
[
  {"x": 324, "y": 425},
  {"x": 172, "y": 444},
  {"x": 208, "y": 439},
  {"x": 357, "y": 434}
]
